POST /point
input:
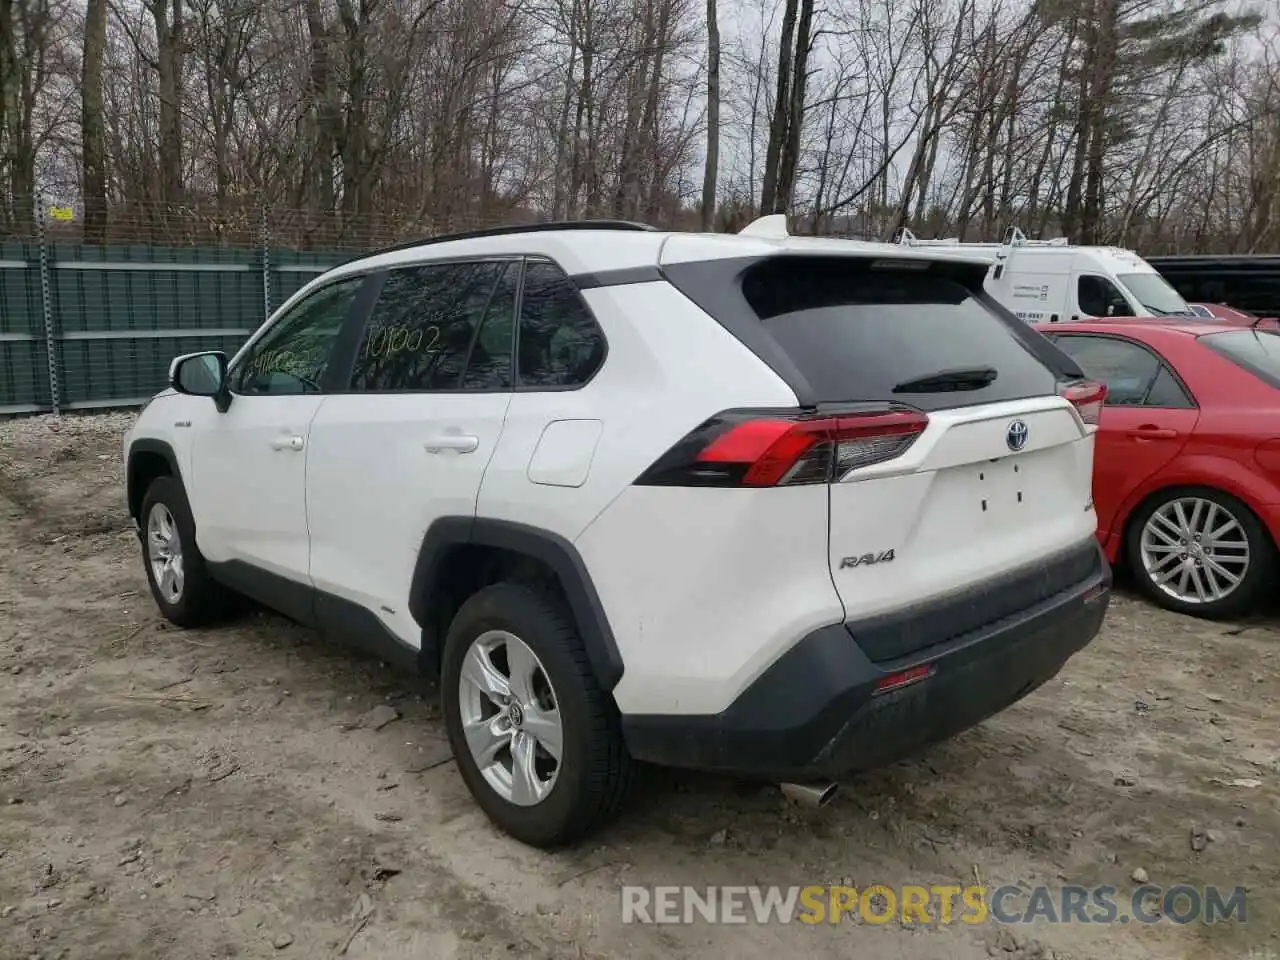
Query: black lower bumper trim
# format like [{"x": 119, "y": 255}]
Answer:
[{"x": 814, "y": 713}]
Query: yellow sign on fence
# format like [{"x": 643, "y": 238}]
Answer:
[{"x": 62, "y": 213}]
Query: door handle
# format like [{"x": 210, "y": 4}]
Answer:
[
  {"x": 1152, "y": 432},
  {"x": 461, "y": 442},
  {"x": 287, "y": 443}
]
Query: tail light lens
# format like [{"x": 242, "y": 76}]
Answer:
[
  {"x": 742, "y": 449},
  {"x": 1086, "y": 396}
]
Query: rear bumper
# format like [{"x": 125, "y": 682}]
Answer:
[{"x": 815, "y": 713}]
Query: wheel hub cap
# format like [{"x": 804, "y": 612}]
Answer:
[
  {"x": 1195, "y": 550},
  {"x": 164, "y": 553},
  {"x": 510, "y": 718}
]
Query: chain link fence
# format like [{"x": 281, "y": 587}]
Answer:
[{"x": 90, "y": 316}]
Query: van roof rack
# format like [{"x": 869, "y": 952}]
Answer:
[
  {"x": 547, "y": 226},
  {"x": 1013, "y": 237},
  {"x": 906, "y": 238}
]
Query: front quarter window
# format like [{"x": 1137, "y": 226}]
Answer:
[{"x": 1099, "y": 297}]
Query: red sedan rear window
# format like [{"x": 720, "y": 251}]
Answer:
[{"x": 1257, "y": 351}]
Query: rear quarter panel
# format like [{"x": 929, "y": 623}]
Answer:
[{"x": 668, "y": 368}]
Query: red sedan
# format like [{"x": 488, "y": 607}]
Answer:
[{"x": 1186, "y": 479}]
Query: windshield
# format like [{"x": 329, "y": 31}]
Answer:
[{"x": 1153, "y": 292}]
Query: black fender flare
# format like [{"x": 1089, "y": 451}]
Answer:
[
  {"x": 133, "y": 498},
  {"x": 550, "y": 549}
]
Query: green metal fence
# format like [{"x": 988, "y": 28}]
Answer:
[{"x": 92, "y": 327}]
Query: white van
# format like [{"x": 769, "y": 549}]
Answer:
[{"x": 1048, "y": 281}]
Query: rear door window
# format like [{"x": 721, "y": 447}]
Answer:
[
  {"x": 858, "y": 331},
  {"x": 1134, "y": 375},
  {"x": 1257, "y": 351},
  {"x": 423, "y": 329},
  {"x": 1127, "y": 369}
]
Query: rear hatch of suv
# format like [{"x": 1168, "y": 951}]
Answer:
[{"x": 956, "y": 443}]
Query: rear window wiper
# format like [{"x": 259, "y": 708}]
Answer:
[{"x": 942, "y": 381}]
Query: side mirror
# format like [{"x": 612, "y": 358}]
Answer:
[{"x": 201, "y": 375}]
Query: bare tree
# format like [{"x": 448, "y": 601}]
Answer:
[
  {"x": 93, "y": 132},
  {"x": 712, "y": 170},
  {"x": 345, "y": 121}
]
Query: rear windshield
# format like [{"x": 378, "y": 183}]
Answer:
[
  {"x": 1257, "y": 351},
  {"x": 865, "y": 330}
]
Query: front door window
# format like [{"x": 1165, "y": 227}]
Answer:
[{"x": 1099, "y": 297}]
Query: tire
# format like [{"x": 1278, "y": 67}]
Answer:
[
  {"x": 1154, "y": 542},
  {"x": 586, "y": 788},
  {"x": 197, "y": 600}
]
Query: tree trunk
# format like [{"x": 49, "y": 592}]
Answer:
[
  {"x": 93, "y": 134},
  {"x": 795, "y": 114},
  {"x": 1072, "y": 220},
  {"x": 712, "y": 171},
  {"x": 325, "y": 117},
  {"x": 652, "y": 189},
  {"x": 1099, "y": 102},
  {"x": 8, "y": 97},
  {"x": 781, "y": 102},
  {"x": 169, "y": 47},
  {"x": 559, "y": 198},
  {"x": 626, "y": 199}
]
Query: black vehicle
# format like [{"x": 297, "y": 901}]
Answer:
[{"x": 1246, "y": 282}]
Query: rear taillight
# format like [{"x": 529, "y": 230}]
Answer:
[
  {"x": 1086, "y": 396},
  {"x": 742, "y": 449}
]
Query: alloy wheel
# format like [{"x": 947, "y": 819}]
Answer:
[
  {"x": 1195, "y": 550},
  {"x": 510, "y": 718},
  {"x": 164, "y": 553}
]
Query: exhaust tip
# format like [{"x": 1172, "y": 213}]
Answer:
[{"x": 810, "y": 794}]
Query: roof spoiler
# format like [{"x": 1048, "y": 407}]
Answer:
[{"x": 772, "y": 227}]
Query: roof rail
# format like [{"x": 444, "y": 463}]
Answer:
[{"x": 542, "y": 227}]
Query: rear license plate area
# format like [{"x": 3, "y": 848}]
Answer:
[{"x": 1001, "y": 487}]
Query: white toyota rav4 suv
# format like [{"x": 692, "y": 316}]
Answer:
[{"x": 779, "y": 507}]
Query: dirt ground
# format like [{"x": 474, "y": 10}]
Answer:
[{"x": 210, "y": 794}]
